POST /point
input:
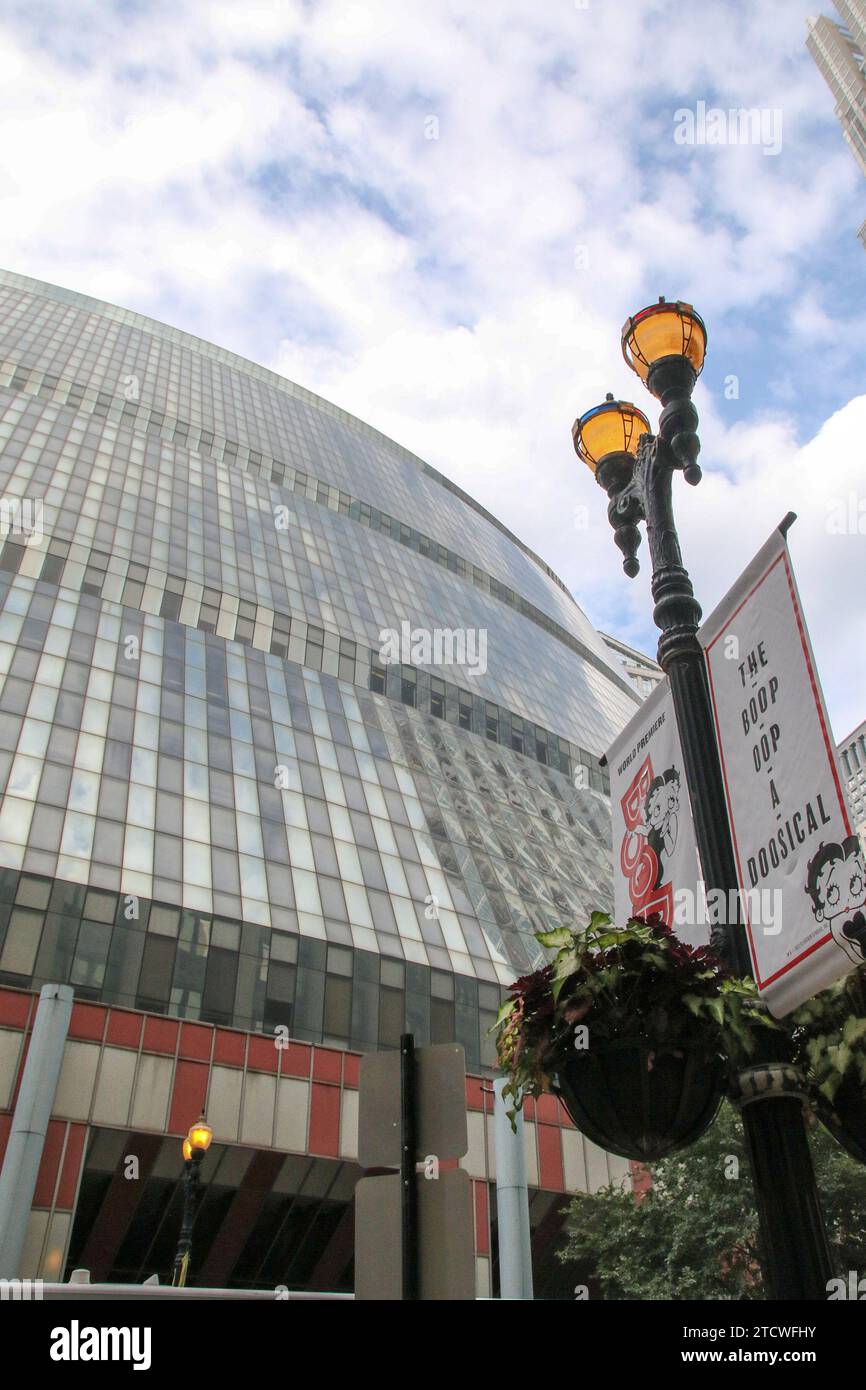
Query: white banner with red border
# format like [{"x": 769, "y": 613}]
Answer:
[
  {"x": 655, "y": 859},
  {"x": 800, "y": 869}
]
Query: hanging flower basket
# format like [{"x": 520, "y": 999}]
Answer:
[
  {"x": 638, "y": 1103},
  {"x": 633, "y": 1030}
]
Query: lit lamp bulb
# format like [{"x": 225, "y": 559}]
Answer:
[
  {"x": 664, "y": 333},
  {"x": 198, "y": 1139},
  {"x": 606, "y": 438},
  {"x": 614, "y": 427}
]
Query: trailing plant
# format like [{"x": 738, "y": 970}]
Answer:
[
  {"x": 637, "y": 983},
  {"x": 829, "y": 1034}
]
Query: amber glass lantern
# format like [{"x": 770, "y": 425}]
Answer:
[
  {"x": 663, "y": 331},
  {"x": 611, "y": 428},
  {"x": 199, "y": 1137}
]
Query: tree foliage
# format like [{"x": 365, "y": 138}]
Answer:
[{"x": 694, "y": 1234}]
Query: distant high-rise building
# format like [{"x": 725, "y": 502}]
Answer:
[
  {"x": 852, "y": 751},
  {"x": 643, "y": 671},
  {"x": 853, "y": 13},
  {"x": 839, "y": 49}
]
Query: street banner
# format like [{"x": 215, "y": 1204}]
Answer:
[
  {"x": 655, "y": 858},
  {"x": 800, "y": 869}
]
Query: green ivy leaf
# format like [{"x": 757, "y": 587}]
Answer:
[
  {"x": 559, "y": 981},
  {"x": 560, "y": 936},
  {"x": 717, "y": 1009},
  {"x": 840, "y": 1057},
  {"x": 853, "y": 1029},
  {"x": 505, "y": 1011},
  {"x": 599, "y": 920}
]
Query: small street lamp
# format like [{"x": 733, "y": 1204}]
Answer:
[
  {"x": 195, "y": 1146},
  {"x": 665, "y": 345}
]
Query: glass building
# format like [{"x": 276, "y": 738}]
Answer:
[
  {"x": 295, "y": 738},
  {"x": 838, "y": 50}
]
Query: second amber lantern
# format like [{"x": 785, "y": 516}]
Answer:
[{"x": 614, "y": 427}]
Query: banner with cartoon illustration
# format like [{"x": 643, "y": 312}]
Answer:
[
  {"x": 800, "y": 868},
  {"x": 655, "y": 859}
]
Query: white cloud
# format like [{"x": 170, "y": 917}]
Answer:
[{"x": 261, "y": 174}]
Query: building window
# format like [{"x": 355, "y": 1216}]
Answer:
[
  {"x": 348, "y": 652},
  {"x": 491, "y": 723},
  {"x": 170, "y": 607},
  {"x": 391, "y": 1013},
  {"x": 280, "y": 636},
  {"x": 437, "y": 698},
  {"x": 22, "y": 942},
  {"x": 338, "y": 1008},
  {"x": 218, "y": 998},
  {"x": 441, "y": 1007},
  {"x": 392, "y": 1005},
  {"x": 157, "y": 968},
  {"x": 409, "y": 686},
  {"x": 315, "y": 648},
  {"x": 281, "y": 981}
]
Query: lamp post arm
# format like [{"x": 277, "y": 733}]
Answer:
[{"x": 641, "y": 489}]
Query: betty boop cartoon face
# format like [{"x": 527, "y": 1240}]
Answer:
[
  {"x": 656, "y": 806},
  {"x": 663, "y": 798},
  {"x": 836, "y": 879}
]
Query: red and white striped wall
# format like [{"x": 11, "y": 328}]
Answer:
[{"x": 123, "y": 1069}]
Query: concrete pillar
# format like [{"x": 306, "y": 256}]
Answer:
[
  {"x": 512, "y": 1202},
  {"x": 30, "y": 1122}
]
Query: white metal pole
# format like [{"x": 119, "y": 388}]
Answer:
[
  {"x": 30, "y": 1122},
  {"x": 512, "y": 1202}
]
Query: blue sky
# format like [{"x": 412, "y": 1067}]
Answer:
[{"x": 439, "y": 215}]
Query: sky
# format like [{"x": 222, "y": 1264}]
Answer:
[{"x": 438, "y": 215}]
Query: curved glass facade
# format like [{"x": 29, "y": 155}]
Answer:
[{"x": 220, "y": 799}]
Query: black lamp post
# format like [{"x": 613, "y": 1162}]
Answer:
[
  {"x": 195, "y": 1146},
  {"x": 665, "y": 345}
]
